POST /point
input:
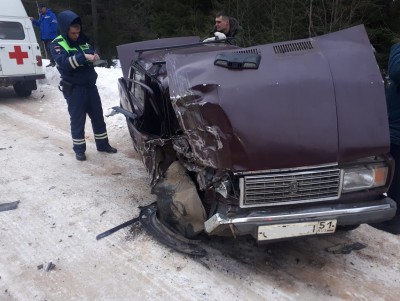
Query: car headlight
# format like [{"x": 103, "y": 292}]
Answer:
[{"x": 364, "y": 177}]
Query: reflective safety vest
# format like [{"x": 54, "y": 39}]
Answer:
[{"x": 72, "y": 50}]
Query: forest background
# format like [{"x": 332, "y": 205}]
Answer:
[{"x": 114, "y": 22}]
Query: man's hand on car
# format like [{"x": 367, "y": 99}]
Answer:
[
  {"x": 219, "y": 35},
  {"x": 209, "y": 39}
]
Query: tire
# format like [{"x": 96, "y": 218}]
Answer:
[{"x": 24, "y": 89}]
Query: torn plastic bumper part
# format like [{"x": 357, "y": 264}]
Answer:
[
  {"x": 343, "y": 214},
  {"x": 166, "y": 236}
]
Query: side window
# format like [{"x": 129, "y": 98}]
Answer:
[
  {"x": 139, "y": 92},
  {"x": 11, "y": 31},
  {"x": 136, "y": 91}
]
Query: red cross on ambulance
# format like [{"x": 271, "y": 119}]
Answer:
[{"x": 18, "y": 55}]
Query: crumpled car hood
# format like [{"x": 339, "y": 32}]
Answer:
[{"x": 310, "y": 102}]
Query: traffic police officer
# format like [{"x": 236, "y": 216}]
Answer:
[{"x": 74, "y": 57}]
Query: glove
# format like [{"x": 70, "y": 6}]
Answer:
[
  {"x": 209, "y": 39},
  {"x": 219, "y": 35}
]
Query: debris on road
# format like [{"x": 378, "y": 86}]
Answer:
[
  {"x": 50, "y": 266},
  {"x": 115, "y": 229},
  {"x": 9, "y": 206},
  {"x": 346, "y": 248}
]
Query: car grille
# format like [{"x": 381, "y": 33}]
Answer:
[{"x": 290, "y": 187}]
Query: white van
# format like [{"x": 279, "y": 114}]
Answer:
[{"x": 20, "y": 56}]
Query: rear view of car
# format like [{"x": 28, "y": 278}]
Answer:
[{"x": 20, "y": 57}]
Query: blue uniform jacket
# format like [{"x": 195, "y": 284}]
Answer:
[
  {"x": 47, "y": 24},
  {"x": 393, "y": 94},
  {"x": 72, "y": 64}
]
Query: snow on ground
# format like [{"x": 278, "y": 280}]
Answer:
[{"x": 64, "y": 204}]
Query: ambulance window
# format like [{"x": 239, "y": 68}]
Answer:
[{"x": 11, "y": 31}]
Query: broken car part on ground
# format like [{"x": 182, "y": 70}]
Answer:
[{"x": 274, "y": 141}]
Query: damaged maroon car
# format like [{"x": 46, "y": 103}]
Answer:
[{"x": 274, "y": 141}]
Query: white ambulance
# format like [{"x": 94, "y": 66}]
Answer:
[{"x": 20, "y": 56}]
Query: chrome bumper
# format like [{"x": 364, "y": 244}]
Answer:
[{"x": 345, "y": 214}]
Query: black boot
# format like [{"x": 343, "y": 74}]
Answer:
[
  {"x": 107, "y": 149},
  {"x": 80, "y": 156}
]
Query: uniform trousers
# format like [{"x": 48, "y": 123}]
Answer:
[{"x": 85, "y": 100}]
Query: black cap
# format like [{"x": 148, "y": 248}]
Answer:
[{"x": 42, "y": 5}]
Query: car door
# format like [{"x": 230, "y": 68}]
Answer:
[{"x": 140, "y": 104}]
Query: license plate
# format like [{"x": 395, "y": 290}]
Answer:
[{"x": 270, "y": 232}]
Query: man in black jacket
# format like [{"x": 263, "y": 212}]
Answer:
[
  {"x": 74, "y": 57},
  {"x": 226, "y": 27}
]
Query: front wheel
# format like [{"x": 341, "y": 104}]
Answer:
[
  {"x": 24, "y": 89},
  {"x": 178, "y": 203}
]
